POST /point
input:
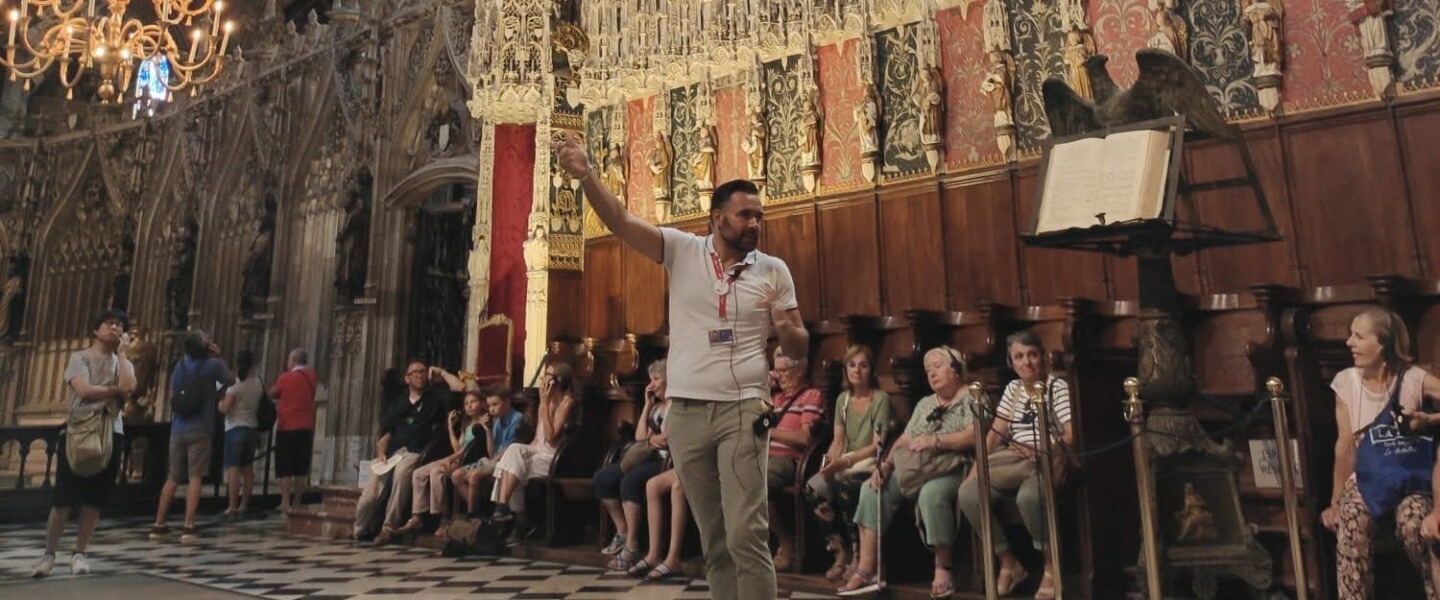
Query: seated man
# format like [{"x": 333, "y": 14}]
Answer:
[
  {"x": 503, "y": 426},
  {"x": 409, "y": 425},
  {"x": 798, "y": 406}
]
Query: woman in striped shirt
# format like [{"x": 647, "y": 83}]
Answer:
[{"x": 1015, "y": 442}]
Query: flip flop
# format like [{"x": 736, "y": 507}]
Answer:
[
  {"x": 1014, "y": 577},
  {"x": 942, "y": 591},
  {"x": 1047, "y": 589},
  {"x": 867, "y": 584},
  {"x": 639, "y": 568},
  {"x": 661, "y": 571}
]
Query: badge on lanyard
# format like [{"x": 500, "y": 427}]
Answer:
[{"x": 722, "y": 337}]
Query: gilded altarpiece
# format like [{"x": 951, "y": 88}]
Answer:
[
  {"x": 841, "y": 91},
  {"x": 898, "y": 62},
  {"x": 783, "y": 100},
  {"x": 1415, "y": 35},
  {"x": 730, "y": 126},
  {"x": 969, "y": 116},
  {"x": 1037, "y": 32},
  {"x": 640, "y": 136},
  {"x": 1220, "y": 50},
  {"x": 684, "y": 139}
]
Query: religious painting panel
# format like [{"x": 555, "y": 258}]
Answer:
[
  {"x": 1415, "y": 33},
  {"x": 640, "y": 144},
  {"x": 1121, "y": 27},
  {"x": 1037, "y": 32},
  {"x": 1220, "y": 50},
  {"x": 783, "y": 117},
  {"x": 899, "y": 63},
  {"x": 1324, "y": 62},
  {"x": 840, "y": 92},
  {"x": 730, "y": 124},
  {"x": 969, "y": 116},
  {"x": 685, "y": 145}
]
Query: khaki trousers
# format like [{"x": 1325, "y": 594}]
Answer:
[
  {"x": 379, "y": 491},
  {"x": 722, "y": 464}
]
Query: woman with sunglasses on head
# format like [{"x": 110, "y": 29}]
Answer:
[
  {"x": 942, "y": 424},
  {"x": 1014, "y": 470}
]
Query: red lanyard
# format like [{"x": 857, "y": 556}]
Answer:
[{"x": 722, "y": 287}]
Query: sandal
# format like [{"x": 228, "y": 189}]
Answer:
[
  {"x": 662, "y": 571},
  {"x": 1047, "y": 588},
  {"x": 837, "y": 571},
  {"x": 1012, "y": 577},
  {"x": 860, "y": 583},
  {"x": 639, "y": 568},
  {"x": 942, "y": 590},
  {"x": 623, "y": 562}
]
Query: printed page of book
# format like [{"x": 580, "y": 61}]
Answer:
[
  {"x": 1118, "y": 178},
  {"x": 1071, "y": 180}
]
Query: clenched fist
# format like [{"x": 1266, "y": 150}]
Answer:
[{"x": 571, "y": 155}]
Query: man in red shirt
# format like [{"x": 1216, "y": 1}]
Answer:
[
  {"x": 294, "y": 394},
  {"x": 798, "y": 407}
]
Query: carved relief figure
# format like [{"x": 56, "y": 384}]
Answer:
[
  {"x": 1195, "y": 522},
  {"x": 1170, "y": 31},
  {"x": 660, "y": 161},
  {"x": 352, "y": 248},
  {"x": 754, "y": 146},
  {"x": 1369, "y": 17},
  {"x": 1079, "y": 45},
  {"x": 255, "y": 274},
  {"x": 182, "y": 273},
  {"x": 998, "y": 86},
  {"x": 1263, "y": 18},
  {"x": 809, "y": 123},
  {"x": 146, "y": 358},
  {"x": 932, "y": 105},
  {"x": 705, "y": 158},
  {"x": 614, "y": 175},
  {"x": 12, "y": 297},
  {"x": 867, "y": 118}
]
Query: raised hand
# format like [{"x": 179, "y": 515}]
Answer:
[{"x": 571, "y": 155}]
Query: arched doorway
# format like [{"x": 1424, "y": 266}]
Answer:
[{"x": 440, "y": 277}]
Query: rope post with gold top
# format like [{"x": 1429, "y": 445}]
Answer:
[
  {"x": 980, "y": 406},
  {"x": 1040, "y": 403},
  {"x": 1145, "y": 482},
  {"x": 1287, "y": 483}
]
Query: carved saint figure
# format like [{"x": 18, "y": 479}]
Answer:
[
  {"x": 660, "y": 161},
  {"x": 1263, "y": 17},
  {"x": 932, "y": 94},
  {"x": 352, "y": 248},
  {"x": 613, "y": 176},
  {"x": 12, "y": 298},
  {"x": 998, "y": 85},
  {"x": 867, "y": 118},
  {"x": 809, "y": 124},
  {"x": 1079, "y": 45},
  {"x": 1170, "y": 31},
  {"x": 1195, "y": 521},
  {"x": 182, "y": 273},
  {"x": 255, "y": 274},
  {"x": 754, "y": 146},
  {"x": 1369, "y": 16},
  {"x": 705, "y": 158}
]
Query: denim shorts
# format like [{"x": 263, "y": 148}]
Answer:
[{"x": 240, "y": 447}]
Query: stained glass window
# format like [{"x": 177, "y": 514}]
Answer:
[{"x": 150, "y": 79}]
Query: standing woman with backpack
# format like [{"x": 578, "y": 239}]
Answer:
[
  {"x": 242, "y": 428},
  {"x": 99, "y": 377},
  {"x": 195, "y": 384}
]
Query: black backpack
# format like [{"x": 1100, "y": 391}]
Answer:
[
  {"x": 195, "y": 390},
  {"x": 266, "y": 414}
]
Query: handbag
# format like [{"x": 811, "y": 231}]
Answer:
[
  {"x": 636, "y": 454},
  {"x": 1390, "y": 465},
  {"x": 88, "y": 443},
  {"x": 914, "y": 469}
]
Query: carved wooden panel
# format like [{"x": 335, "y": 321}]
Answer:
[
  {"x": 1235, "y": 269},
  {"x": 603, "y": 289},
  {"x": 1352, "y": 220},
  {"x": 1417, "y": 133},
  {"x": 1054, "y": 274},
  {"x": 645, "y": 285},
  {"x": 981, "y": 246},
  {"x": 791, "y": 236},
  {"x": 912, "y": 250},
  {"x": 849, "y": 260},
  {"x": 1222, "y": 365}
]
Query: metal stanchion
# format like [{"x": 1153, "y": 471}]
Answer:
[
  {"x": 1145, "y": 482},
  {"x": 980, "y": 406},
  {"x": 1040, "y": 402},
  {"x": 1287, "y": 483}
]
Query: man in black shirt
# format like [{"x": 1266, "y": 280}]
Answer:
[{"x": 409, "y": 425}]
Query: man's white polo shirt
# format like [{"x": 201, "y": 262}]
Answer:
[{"x": 717, "y": 341}]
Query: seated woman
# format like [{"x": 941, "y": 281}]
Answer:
[
  {"x": 614, "y": 485},
  {"x": 799, "y": 407},
  {"x": 850, "y": 460},
  {"x": 523, "y": 462},
  {"x": 942, "y": 423},
  {"x": 427, "y": 483},
  {"x": 503, "y": 425},
  {"x": 1014, "y": 474},
  {"x": 652, "y": 567},
  {"x": 1381, "y": 350}
]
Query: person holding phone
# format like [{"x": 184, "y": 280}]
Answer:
[{"x": 523, "y": 462}]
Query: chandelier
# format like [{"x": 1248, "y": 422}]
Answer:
[{"x": 78, "y": 38}]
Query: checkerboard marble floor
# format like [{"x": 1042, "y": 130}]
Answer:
[{"x": 256, "y": 558}]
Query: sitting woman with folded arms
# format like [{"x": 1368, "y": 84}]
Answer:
[
  {"x": 1014, "y": 472},
  {"x": 926, "y": 463},
  {"x": 620, "y": 486}
]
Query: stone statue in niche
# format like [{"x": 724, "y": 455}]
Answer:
[
  {"x": 932, "y": 104},
  {"x": 1369, "y": 17},
  {"x": 809, "y": 124},
  {"x": 754, "y": 146},
  {"x": 182, "y": 275},
  {"x": 255, "y": 274},
  {"x": 867, "y": 118},
  {"x": 612, "y": 176},
  {"x": 660, "y": 162},
  {"x": 12, "y": 297},
  {"x": 999, "y": 87},
  {"x": 352, "y": 248},
  {"x": 705, "y": 158},
  {"x": 120, "y": 285},
  {"x": 1263, "y": 18},
  {"x": 1079, "y": 46},
  {"x": 1170, "y": 31}
]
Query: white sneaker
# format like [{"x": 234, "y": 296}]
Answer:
[
  {"x": 78, "y": 564},
  {"x": 43, "y": 568}
]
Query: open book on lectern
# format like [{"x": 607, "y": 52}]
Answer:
[{"x": 1094, "y": 181}]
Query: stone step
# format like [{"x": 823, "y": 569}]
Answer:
[{"x": 333, "y": 517}]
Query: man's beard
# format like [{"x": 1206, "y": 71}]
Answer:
[{"x": 741, "y": 242}]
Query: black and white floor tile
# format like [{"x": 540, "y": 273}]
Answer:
[{"x": 256, "y": 559}]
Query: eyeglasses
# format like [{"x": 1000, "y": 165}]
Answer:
[{"x": 415, "y": 372}]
